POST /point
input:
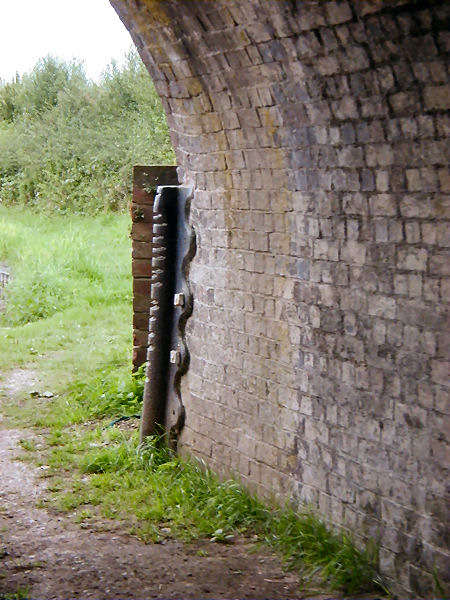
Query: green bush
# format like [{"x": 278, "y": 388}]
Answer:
[{"x": 68, "y": 144}]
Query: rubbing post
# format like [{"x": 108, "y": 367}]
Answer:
[
  {"x": 182, "y": 310},
  {"x": 171, "y": 305},
  {"x": 161, "y": 311}
]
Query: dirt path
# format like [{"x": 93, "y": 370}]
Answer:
[{"x": 53, "y": 557}]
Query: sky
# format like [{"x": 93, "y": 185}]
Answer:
[{"x": 88, "y": 30}]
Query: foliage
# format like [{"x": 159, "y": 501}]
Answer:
[
  {"x": 111, "y": 393},
  {"x": 19, "y": 594},
  {"x": 68, "y": 144}
]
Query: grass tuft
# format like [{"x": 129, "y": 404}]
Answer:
[{"x": 19, "y": 594}]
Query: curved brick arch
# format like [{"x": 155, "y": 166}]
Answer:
[{"x": 316, "y": 137}]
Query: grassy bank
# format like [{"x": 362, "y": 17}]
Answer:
[
  {"x": 68, "y": 308},
  {"x": 68, "y": 319}
]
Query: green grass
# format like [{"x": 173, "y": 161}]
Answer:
[
  {"x": 74, "y": 329},
  {"x": 19, "y": 594},
  {"x": 62, "y": 262},
  {"x": 160, "y": 495},
  {"x": 68, "y": 313}
]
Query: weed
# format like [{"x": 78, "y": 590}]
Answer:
[
  {"x": 28, "y": 445},
  {"x": 84, "y": 515},
  {"x": 112, "y": 393},
  {"x": 438, "y": 585},
  {"x": 19, "y": 594}
]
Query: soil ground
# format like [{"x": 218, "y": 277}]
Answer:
[{"x": 51, "y": 556}]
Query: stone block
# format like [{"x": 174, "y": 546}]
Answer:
[
  {"x": 404, "y": 103},
  {"x": 440, "y": 264},
  {"x": 326, "y": 250},
  {"x": 141, "y": 268},
  {"x": 142, "y": 232},
  {"x": 415, "y": 206},
  {"x": 345, "y": 109},
  {"x": 142, "y": 250},
  {"x": 383, "y": 205},
  {"x": 141, "y": 303},
  {"x": 353, "y": 252},
  {"x": 382, "y": 306},
  {"x": 437, "y": 97},
  {"x": 338, "y": 12},
  {"x": 141, "y": 286},
  {"x": 412, "y": 259}
]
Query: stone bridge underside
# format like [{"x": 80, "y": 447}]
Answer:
[{"x": 315, "y": 135}]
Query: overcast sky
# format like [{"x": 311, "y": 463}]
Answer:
[{"x": 88, "y": 30}]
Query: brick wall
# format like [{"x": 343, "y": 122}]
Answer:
[
  {"x": 315, "y": 135},
  {"x": 145, "y": 182}
]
